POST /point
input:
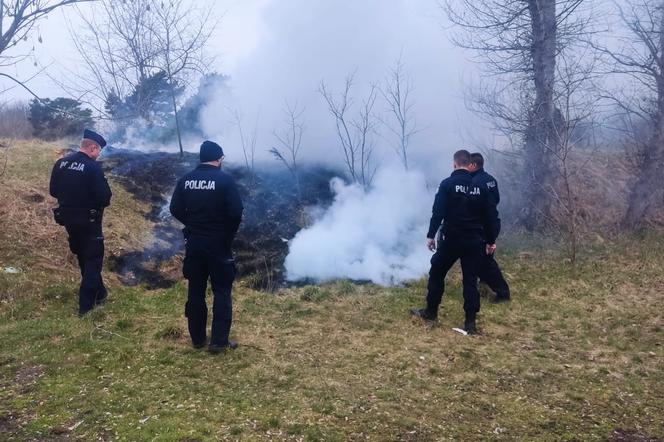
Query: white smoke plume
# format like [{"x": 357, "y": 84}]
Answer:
[{"x": 377, "y": 235}]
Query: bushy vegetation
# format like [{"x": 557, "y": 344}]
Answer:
[
  {"x": 14, "y": 121},
  {"x": 58, "y": 118}
]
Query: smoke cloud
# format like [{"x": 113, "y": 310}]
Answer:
[
  {"x": 377, "y": 235},
  {"x": 299, "y": 43}
]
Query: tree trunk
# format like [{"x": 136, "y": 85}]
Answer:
[
  {"x": 541, "y": 137},
  {"x": 177, "y": 121},
  {"x": 647, "y": 187}
]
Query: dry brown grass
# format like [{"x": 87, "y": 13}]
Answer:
[
  {"x": 577, "y": 355},
  {"x": 29, "y": 238},
  {"x": 601, "y": 188}
]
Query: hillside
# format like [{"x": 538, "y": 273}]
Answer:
[{"x": 577, "y": 355}]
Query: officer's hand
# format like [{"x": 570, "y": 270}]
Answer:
[
  {"x": 490, "y": 249},
  {"x": 431, "y": 244}
]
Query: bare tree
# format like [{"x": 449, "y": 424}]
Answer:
[
  {"x": 182, "y": 32},
  {"x": 290, "y": 139},
  {"x": 248, "y": 141},
  {"x": 119, "y": 51},
  {"x": 128, "y": 42},
  {"x": 354, "y": 132},
  {"x": 638, "y": 57},
  {"x": 14, "y": 121},
  {"x": 397, "y": 94},
  {"x": 577, "y": 100},
  {"x": 518, "y": 43},
  {"x": 17, "y": 21}
]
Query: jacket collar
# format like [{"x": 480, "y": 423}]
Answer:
[
  {"x": 460, "y": 172},
  {"x": 207, "y": 167}
]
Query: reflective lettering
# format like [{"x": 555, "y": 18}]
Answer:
[
  {"x": 79, "y": 167},
  {"x": 200, "y": 184}
]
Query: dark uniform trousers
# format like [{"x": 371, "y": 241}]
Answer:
[
  {"x": 86, "y": 241},
  {"x": 208, "y": 258},
  {"x": 470, "y": 251},
  {"x": 491, "y": 275}
]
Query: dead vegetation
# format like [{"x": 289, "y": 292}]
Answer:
[
  {"x": 600, "y": 182},
  {"x": 32, "y": 242},
  {"x": 573, "y": 357}
]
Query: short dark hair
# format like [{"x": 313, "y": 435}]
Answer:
[
  {"x": 477, "y": 158},
  {"x": 462, "y": 157}
]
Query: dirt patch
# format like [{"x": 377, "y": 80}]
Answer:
[
  {"x": 630, "y": 436},
  {"x": 34, "y": 198},
  {"x": 27, "y": 376},
  {"x": 133, "y": 268},
  {"x": 7, "y": 423}
]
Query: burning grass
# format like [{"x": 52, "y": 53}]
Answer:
[{"x": 575, "y": 356}]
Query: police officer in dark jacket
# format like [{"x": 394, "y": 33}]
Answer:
[
  {"x": 468, "y": 218},
  {"x": 208, "y": 203},
  {"x": 78, "y": 183},
  {"x": 489, "y": 271}
]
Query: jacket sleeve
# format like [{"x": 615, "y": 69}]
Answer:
[
  {"x": 233, "y": 208},
  {"x": 494, "y": 193},
  {"x": 54, "y": 184},
  {"x": 438, "y": 211},
  {"x": 491, "y": 221},
  {"x": 177, "y": 207},
  {"x": 100, "y": 188}
]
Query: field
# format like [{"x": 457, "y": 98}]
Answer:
[{"x": 577, "y": 355}]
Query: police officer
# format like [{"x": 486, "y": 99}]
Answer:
[
  {"x": 208, "y": 203},
  {"x": 489, "y": 271},
  {"x": 78, "y": 183},
  {"x": 468, "y": 218}
]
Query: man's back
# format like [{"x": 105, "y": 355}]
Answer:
[
  {"x": 78, "y": 181},
  {"x": 207, "y": 202},
  {"x": 461, "y": 206},
  {"x": 487, "y": 182}
]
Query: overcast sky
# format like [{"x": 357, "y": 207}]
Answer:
[{"x": 276, "y": 51}]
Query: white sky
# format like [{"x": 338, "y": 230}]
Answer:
[{"x": 278, "y": 50}]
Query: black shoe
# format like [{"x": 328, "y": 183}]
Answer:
[
  {"x": 200, "y": 344},
  {"x": 82, "y": 313},
  {"x": 470, "y": 327},
  {"x": 216, "y": 349},
  {"x": 423, "y": 314}
]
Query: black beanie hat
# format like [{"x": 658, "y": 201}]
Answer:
[{"x": 210, "y": 151}]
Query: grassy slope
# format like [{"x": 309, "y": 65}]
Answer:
[{"x": 571, "y": 358}]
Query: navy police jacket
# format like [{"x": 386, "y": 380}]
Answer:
[
  {"x": 77, "y": 181},
  {"x": 488, "y": 182},
  {"x": 464, "y": 209},
  {"x": 207, "y": 202}
]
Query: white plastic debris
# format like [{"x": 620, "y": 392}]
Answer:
[
  {"x": 461, "y": 331},
  {"x": 75, "y": 426},
  {"x": 11, "y": 270}
]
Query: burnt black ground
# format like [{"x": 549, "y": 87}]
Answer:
[{"x": 276, "y": 208}]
